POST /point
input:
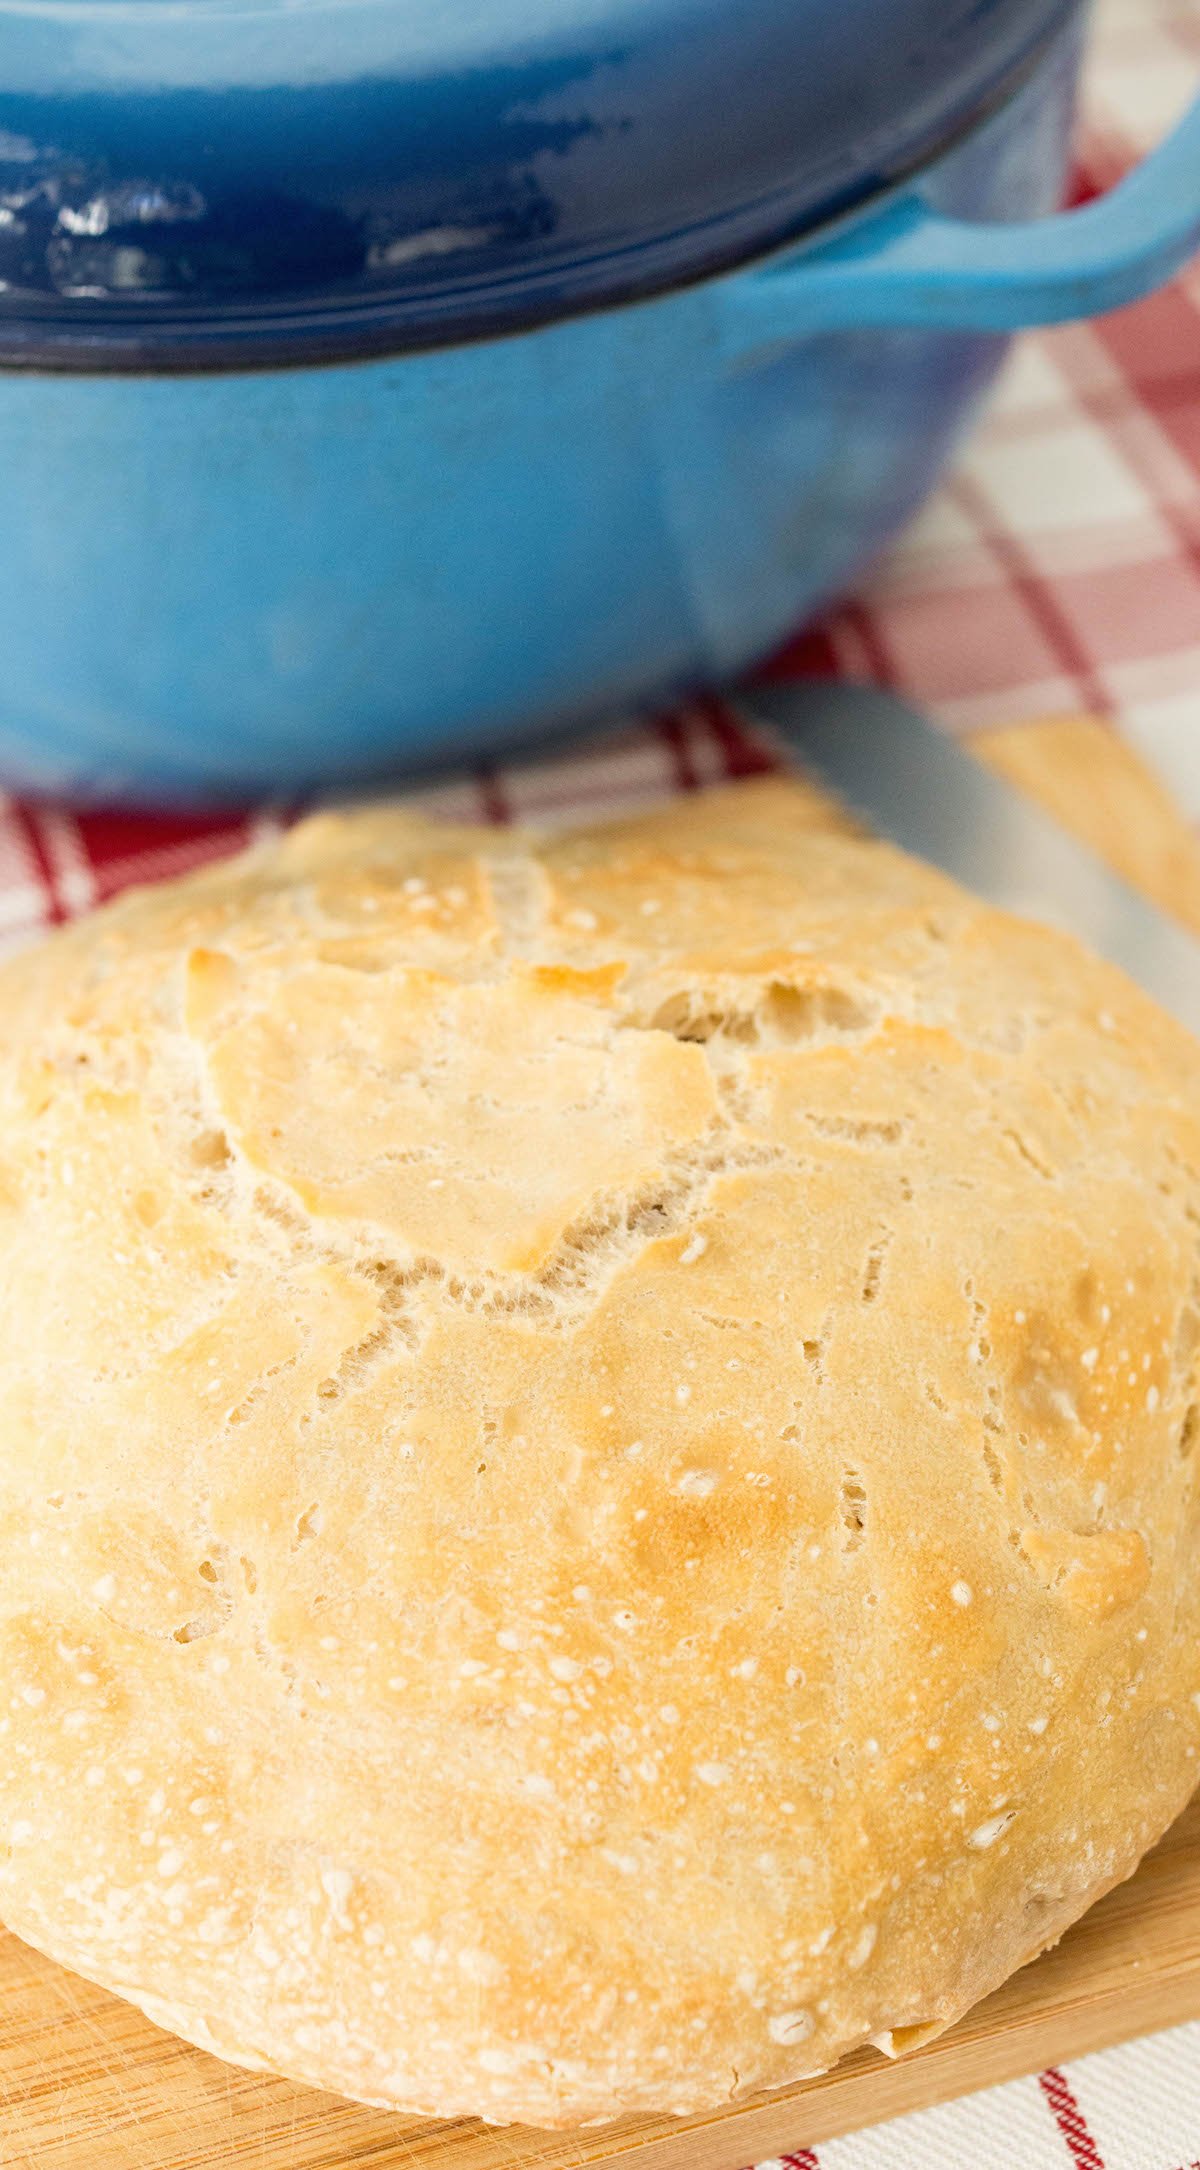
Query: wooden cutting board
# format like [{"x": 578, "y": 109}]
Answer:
[{"x": 87, "y": 2084}]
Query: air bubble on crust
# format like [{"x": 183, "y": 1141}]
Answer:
[
  {"x": 853, "y": 1508},
  {"x": 873, "y": 1270},
  {"x": 780, "y": 1016}
]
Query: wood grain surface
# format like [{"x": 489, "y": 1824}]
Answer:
[{"x": 87, "y": 2084}]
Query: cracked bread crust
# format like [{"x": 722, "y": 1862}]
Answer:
[{"x": 600, "y": 1476}]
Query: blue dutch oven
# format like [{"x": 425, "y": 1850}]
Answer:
[{"x": 386, "y": 379}]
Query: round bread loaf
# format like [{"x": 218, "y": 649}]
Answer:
[{"x": 599, "y": 1485}]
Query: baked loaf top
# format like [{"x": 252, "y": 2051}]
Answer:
[{"x": 599, "y": 1479}]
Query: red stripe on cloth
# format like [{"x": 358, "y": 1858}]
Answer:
[
  {"x": 113, "y": 833},
  {"x": 1186, "y": 32},
  {"x": 871, "y": 643},
  {"x": 1070, "y": 2120},
  {"x": 673, "y": 733},
  {"x": 802, "y": 2159},
  {"x": 496, "y": 806},
  {"x": 122, "y": 847},
  {"x": 810, "y": 653},
  {"x": 1161, "y": 368},
  {"x": 1082, "y": 187},
  {"x": 1036, "y": 593},
  {"x": 31, "y": 829},
  {"x": 740, "y": 751}
]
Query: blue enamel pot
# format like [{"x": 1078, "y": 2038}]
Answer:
[{"x": 382, "y": 381}]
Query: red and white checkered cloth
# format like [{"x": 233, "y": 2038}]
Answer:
[{"x": 1057, "y": 571}]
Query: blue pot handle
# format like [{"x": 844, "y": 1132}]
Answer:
[{"x": 907, "y": 265}]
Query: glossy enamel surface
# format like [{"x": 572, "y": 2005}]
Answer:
[{"x": 284, "y": 179}]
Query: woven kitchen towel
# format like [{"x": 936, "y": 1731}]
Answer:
[
  {"x": 1133, "y": 2108},
  {"x": 1058, "y": 571}
]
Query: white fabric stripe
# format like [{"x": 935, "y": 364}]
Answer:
[
  {"x": 994, "y": 2130},
  {"x": 1142, "y": 2101},
  {"x": 74, "y": 879}
]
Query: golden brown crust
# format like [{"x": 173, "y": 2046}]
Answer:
[{"x": 599, "y": 1486}]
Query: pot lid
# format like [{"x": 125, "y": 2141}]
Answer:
[{"x": 277, "y": 179}]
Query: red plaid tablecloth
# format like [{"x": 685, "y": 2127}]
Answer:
[{"x": 1057, "y": 571}]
